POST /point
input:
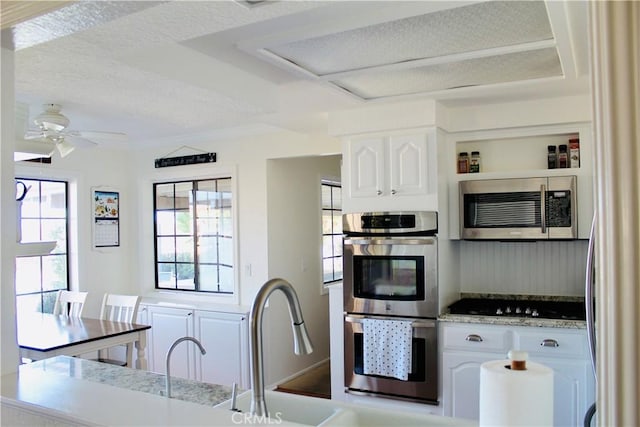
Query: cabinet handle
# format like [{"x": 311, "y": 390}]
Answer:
[
  {"x": 549, "y": 343},
  {"x": 393, "y": 192},
  {"x": 379, "y": 192},
  {"x": 474, "y": 338}
]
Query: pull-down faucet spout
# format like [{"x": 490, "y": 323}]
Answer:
[
  {"x": 302, "y": 343},
  {"x": 167, "y": 380}
]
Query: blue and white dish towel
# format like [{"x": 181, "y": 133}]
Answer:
[{"x": 387, "y": 348}]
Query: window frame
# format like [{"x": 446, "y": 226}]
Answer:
[
  {"x": 234, "y": 236},
  {"x": 335, "y": 183},
  {"x": 57, "y": 252}
]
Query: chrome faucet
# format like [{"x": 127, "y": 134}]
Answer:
[
  {"x": 302, "y": 343},
  {"x": 167, "y": 380}
]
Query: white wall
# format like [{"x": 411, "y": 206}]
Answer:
[
  {"x": 9, "y": 347},
  {"x": 295, "y": 252}
]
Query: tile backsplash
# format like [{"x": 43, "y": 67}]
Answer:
[{"x": 532, "y": 268}]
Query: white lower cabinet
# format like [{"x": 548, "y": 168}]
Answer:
[
  {"x": 225, "y": 338},
  {"x": 467, "y": 346},
  {"x": 223, "y": 335},
  {"x": 167, "y": 325}
]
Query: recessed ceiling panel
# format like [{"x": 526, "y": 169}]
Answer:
[
  {"x": 453, "y": 31},
  {"x": 537, "y": 64}
]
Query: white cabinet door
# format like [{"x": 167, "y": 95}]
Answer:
[
  {"x": 398, "y": 171},
  {"x": 225, "y": 338},
  {"x": 167, "y": 325},
  {"x": 367, "y": 167},
  {"x": 408, "y": 165},
  {"x": 570, "y": 391},
  {"x": 461, "y": 383}
]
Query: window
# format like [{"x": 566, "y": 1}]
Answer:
[
  {"x": 194, "y": 235},
  {"x": 331, "y": 231},
  {"x": 44, "y": 218}
]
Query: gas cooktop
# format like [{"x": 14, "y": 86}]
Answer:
[{"x": 566, "y": 310}]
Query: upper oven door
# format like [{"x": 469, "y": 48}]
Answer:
[{"x": 391, "y": 276}]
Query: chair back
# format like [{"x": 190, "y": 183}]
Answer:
[
  {"x": 69, "y": 303},
  {"x": 120, "y": 308}
]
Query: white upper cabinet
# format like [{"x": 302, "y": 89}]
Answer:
[{"x": 390, "y": 172}]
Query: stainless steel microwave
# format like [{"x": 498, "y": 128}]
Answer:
[{"x": 519, "y": 208}]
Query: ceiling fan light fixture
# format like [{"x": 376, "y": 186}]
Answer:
[{"x": 51, "y": 119}]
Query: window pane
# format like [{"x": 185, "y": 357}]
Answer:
[
  {"x": 53, "y": 200},
  {"x": 208, "y": 278},
  {"x": 167, "y": 275},
  {"x": 226, "y": 251},
  {"x": 55, "y": 229},
  {"x": 226, "y": 223},
  {"x": 31, "y": 203},
  {"x": 31, "y": 230},
  {"x": 184, "y": 249},
  {"x": 54, "y": 272},
  {"x": 28, "y": 275},
  {"x": 337, "y": 198},
  {"x": 326, "y": 197},
  {"x": 183, "y": 196},
  {"x": 327, "y": 246},
  {"x": 165, "y": 223},
  {"x": 337, "y": 245},
  {"x": 164, "y": 196},
  {"x": 327, "y": 222},
  {"x": 208, "y": 250},
  {"x": 226, "y": 279},
  {"x": 327, "y": 269},
  {"x": 184, "y": 222},
  {"x": 337, "y": 223},
  {"x": 166, "y": 249},
  {"x": 207, "y": 226},
  {"x": 28, "y": 303},
  {"x": 337, "y": 266},
  {"x": 185, "y": 276}
]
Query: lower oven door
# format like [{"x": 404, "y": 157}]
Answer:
[{"x": 422, "y": 382}]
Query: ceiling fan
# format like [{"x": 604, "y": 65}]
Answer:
[{"x": 52, "y": 127}]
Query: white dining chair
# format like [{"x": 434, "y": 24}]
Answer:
[
  {"x": 119, "y": 308},
  {"x": 69, "y": 303}
]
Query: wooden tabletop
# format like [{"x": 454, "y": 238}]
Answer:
[{"x": 45, "y": 332}]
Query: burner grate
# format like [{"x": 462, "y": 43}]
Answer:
[{"x": 566, "y": 310}]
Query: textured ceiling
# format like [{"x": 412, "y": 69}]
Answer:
[{"x": 168, "y": 73}]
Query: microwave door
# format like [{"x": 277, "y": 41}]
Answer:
[{"x": 504, "y": 209}]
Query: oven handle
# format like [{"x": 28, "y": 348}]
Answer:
[
  {"x": 383, "y": 241},
  {"x": 422, "y": 323}
]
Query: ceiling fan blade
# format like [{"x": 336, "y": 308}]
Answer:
[
  {"x": 64, "y": 148},
  {"x": 99, "y": 135},
  {"x": 78, "y": 141}
]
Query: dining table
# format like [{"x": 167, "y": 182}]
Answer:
[{"x": 44, "y": 335}]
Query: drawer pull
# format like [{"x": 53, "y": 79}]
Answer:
[
  {"x": 474, "y": 338},
  {"x": 549, "y": 343}
]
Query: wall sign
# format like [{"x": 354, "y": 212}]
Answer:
[
  {"x": 192, "y": 159},
  {"x": 106, "y": 218}
]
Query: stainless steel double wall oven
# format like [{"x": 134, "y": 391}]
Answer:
[{"x": 391, "y": 273}]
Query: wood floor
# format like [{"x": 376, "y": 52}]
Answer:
[{"x": 315, "y": 382}]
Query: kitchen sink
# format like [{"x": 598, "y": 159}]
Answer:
[{"x": 288, "y": 407}]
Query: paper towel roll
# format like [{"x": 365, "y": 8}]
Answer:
[{"x": 515, "y": 398}]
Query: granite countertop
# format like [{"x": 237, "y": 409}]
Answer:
[
  {"x": 516, "y": 321},
  {"x": 133, "y": 379}
]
